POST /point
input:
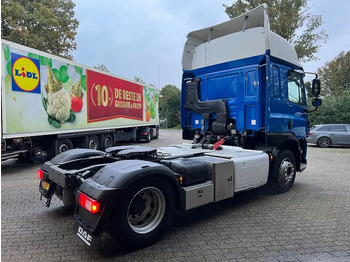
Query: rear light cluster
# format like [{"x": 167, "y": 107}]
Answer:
[
  {"x": 40, "y": 174},
  {"x": 311, "y": 133},
  {"x": 144, "y": 133},
  {"x": 89, "y": 204}
]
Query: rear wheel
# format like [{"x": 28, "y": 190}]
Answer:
[
  {"x": 64, "y": 145},
  {"x": 93, "y": 142},
  {"x": 324, "y": 142},
  {"x": 144, "y": 213},
  {"x": 284, "y": 172},
  {"x": 157, "y": 134},
  {"x": 107, "y": 141},
  {"x": 149, "y": 136}
]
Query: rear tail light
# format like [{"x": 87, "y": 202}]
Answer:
[
  {"x": 40, "y": 174},
  {"x": 91, "y": 205},
  {"x": 144, "y": 133},
  {"x": 311, "y": 133}
]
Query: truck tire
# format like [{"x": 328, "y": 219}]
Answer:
[
  {"x": 93, "y": 143},
  {"x": 107, "y": 141},
  {"x": 324, "y": 142},
  {"x": 144, "y": 213},
  {"x": 149, "y": 136},
  {"x": 284, "y": 172},
  {"x": 157, "y": 134},
  {"x": 64, "y": 145}
]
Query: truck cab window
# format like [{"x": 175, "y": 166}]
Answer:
[{"x": 295, "y": 88}]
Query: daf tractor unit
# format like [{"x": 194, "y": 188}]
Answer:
[{"x": 244, "y": 107}]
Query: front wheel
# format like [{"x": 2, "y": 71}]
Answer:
[
  {"x": 144, "y": 213},
  {"x": 284, "y": 172}
]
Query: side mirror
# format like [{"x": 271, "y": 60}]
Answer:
[
  {"x": 316, "y": 102},
  {"x": 316, "y": 87}
]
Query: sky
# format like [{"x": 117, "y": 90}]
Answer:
[{"x": 146, "y": 38}]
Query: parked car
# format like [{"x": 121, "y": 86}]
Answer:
[{"x": 330, "y": 134}]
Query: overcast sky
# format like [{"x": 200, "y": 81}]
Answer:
[{"x": 146, "y": 38}]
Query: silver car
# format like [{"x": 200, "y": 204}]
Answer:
[{"x": 330, "y": 134}]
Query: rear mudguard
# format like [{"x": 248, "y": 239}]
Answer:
[
  {"x": 108, "y": 185},
  {"x": 123, "y": 173}
]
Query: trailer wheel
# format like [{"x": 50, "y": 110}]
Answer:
[
  {"x": 93, "y": 142},
  {"x": 284, "y": 172},
  {"x": 144, "y": 213},
  {"x": 64, "y": 145},
  {"x": 107, "y": 141}
]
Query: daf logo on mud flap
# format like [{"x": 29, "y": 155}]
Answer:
[{"x": 84, "y": 236}]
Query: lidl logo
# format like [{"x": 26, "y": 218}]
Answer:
[{"x": 25, "y": 74}]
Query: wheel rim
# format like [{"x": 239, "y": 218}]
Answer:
[
  {"x": 146, "y": 210},
  {"x": 286, "y": 171},
  {"x": 108, "y": 142},
  {"x": 92, "y": 144},
  {"x": 62, "y": 148},
  {"x": 324, "y": 142}
]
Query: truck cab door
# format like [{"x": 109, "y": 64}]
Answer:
[{"x": 296, "y": 104}]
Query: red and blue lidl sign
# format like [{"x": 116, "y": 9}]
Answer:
[{"x": 25, "y": 74}]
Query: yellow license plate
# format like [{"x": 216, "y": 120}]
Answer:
[{"x": 45, "y": 185}]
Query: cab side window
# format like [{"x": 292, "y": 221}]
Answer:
[{"x": 295, "y": 88}]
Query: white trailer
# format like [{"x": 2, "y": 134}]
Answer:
[{"x": 51, "y": 104}]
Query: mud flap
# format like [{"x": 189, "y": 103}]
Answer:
[
  {"x": 90, "y": 239},
  {"x": 46, "y": 190}
]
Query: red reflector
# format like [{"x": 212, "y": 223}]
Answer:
[
  {"x": 144, "y": 133},
  {"x": 40, "y": 174},
  {"x": 311, "y": 133},
  {"x": 88, "y": 203}
]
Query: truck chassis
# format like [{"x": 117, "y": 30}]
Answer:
[{"x": 132, "y": 192}]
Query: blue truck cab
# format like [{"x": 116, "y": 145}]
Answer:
[{"x": 244, "y": 83}]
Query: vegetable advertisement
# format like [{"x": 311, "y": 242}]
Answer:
[{"x": 43, "y": 93}]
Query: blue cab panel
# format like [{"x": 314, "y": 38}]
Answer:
[
  {"x": 238, "y": 86},
  {"x": 258, "y": 94}
]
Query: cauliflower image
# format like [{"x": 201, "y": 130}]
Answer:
[
  {"x": 58, "y": 105},
  {"x": 57, "y": 102}
]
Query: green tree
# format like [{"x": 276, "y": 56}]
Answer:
[
  {"x": 47, "y": 25},
  {"x": 308, "y": 88},
  {"x": 170, "y": 97},
  {"x": 335, "y": 75},
  {"x": 287, "y": 19},
  {"x": 334, "y": 110}
]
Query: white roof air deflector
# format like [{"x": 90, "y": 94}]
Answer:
[
  {"x": 255, "y": 19},
  {"x": 245, "y": 36}
]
